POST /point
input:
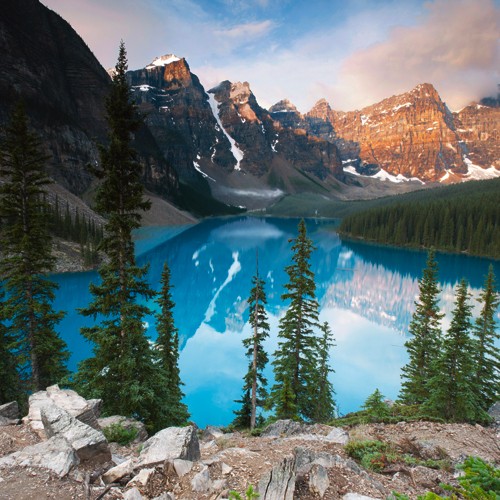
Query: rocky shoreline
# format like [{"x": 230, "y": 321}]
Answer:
[{"x": 59, "y": 451}]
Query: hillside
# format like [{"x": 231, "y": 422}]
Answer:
[{"x": 460, "y": 218}]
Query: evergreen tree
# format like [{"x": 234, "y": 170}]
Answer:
[
  {"x": 175, "y": 411},
  {"x": 122, "y": 371},
  {"x": 254, "y": 391},
  {"x": 486, "y": 354},
  {"x": 9, "y": 388},
  {"x": 452, "y": 392},
  {"x": 41, "y": 354},
  {"x": 295, "y": 363},
  {"x": 324, "y": 404},
  {"x": 375, "y": 405},
  {"x": 424, "y": 345}
]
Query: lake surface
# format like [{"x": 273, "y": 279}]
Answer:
[{"x": 366, "y": 293}]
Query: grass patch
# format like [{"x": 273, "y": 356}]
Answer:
[{"x": 117, "y": 433}]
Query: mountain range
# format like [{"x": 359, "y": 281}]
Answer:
[{"x": 206, "y": 149}]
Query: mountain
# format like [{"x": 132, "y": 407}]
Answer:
[
  {"x": 409, "y": 136},
  {"x": 222, "y": 143},
  {"x": 46, "y": 64}
]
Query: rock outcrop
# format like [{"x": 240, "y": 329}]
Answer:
[{"x": 409, "y": 136}]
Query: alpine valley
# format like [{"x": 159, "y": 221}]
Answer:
[{"x": 217, "y": 150}]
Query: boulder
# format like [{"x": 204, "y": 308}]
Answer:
[
  {"x": 141, "y": 478},
  {"x": 66, "y": 399},
  {"x": 126, "y": 423},
  {"x": 201, "y": 482},
  {"x": 284, "y": 428},
  {"x": 55, "y": 454},
  {"x": 338, "y": 435},
  {"x": 182, "y": 467},
  {"x": 88, "y": 442},
  {"x": 133, "y": 494},
  {"x": 211, "y": 432},
  {"x": 10, "y": 410},
  {"x": 165, "y": 496},
  {"x": 278, "y": 483},
  {"x": 169, "y": 444},
  {"x": 318, "y": 480},
  {"x": 116, "y": 473},
  {"x": 4, "y": 421}
]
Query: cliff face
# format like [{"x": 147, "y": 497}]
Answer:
[
  {"x": 479, "y": 128},
  {"x": 46, "y": 64},
  {"x": 180, "y": 117},
  {"x": 412, "y": 135}
]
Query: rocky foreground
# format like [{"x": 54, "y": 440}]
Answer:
[{"x": 59, "y": 451}]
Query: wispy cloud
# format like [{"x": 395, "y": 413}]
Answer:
[
  {"x": 455, "y": 47},
  {"x": 246, "y": 31}
]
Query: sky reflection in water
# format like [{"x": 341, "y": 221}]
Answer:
[{"x": 366, "y": 293}]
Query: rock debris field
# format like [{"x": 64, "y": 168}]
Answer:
[{"x": 59, "y": 451}]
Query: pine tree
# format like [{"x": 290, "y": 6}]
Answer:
[
  {"x": 486, "y": 354},
  {"x": 9, "y": 388},
  {"x": 41, "y": 354},
  {"x": 176, "y": 412},
  {"x": 254, "y": 389},
  {"x": 295, "y": 363},
  {"x": 424, "y": 346},
  {"x": 452, "y": 392},
  {"x": 324, "y": 404},
  {"x": 375, "y": 405},
  {"x": 122, "y": 371}
]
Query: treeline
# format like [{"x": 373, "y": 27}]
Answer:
[
  {"x": 73, "y": 226},
  {"x": 467, "y": 221}
]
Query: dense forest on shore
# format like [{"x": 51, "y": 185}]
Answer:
[{"x": 458, "y": 218}]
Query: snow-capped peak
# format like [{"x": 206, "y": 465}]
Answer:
[{"x": 163, "y": 60}]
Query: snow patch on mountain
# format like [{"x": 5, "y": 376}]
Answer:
[
  {"x": 382, "y": 175},
  {"x": 163, "y": 61},
  {"x": 237, "y": 152},
  {"x": 474, "y": 172},
  {"x": 197, "y": 167}
]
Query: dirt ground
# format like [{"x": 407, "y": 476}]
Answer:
[{"x": 247, "y": 459}]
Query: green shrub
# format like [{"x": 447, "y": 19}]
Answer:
[
  {"x": 358, "y": 449},
  {"x": 117, "y": 433},
  {"x": 250, "y": 494}
]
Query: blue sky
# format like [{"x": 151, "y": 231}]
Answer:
[{"x": 352, "y": 52}]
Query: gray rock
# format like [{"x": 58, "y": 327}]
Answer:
[
  {"x": 133, "y": 494},
  {"x": 211, "y": 432},
  {"x": 126, "y": 423},
  {"x": 88, "y": 442},
  {"x": 279, "y": 483},
  {"x": 318, "y": 480},
  {"x": 494, "y": 413},
  {"x": 96, "y": 406},
  {"x": 142, "y": 477},
  {"x": 66, "y": 399},
  {"x": 165, "y": 496},
  {"x": 306, "y": 458},
  {"x": 201, "y": 483},
  {"x": 10, "y": 410},
  {"x": 169, "y": 444},
  {"x": 338, "y": 435},
  {"x": 182, "y": 467},
  {"x": 116, "y": 473},
  {"x": 55, "y": 454},
  {"x": 356, "y": 496},
  {"x": 4, "y": 421},
  {"x": 284, "y": 428}
]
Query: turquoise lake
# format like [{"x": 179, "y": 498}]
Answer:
[{"x": 365, "y": 292}]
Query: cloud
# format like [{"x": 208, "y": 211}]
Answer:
[
  {"x": 247, "y": 30},
  {"x": 455, "y": 47}
]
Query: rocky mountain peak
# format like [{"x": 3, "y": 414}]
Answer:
[
  {"x": 283, "y": 106},
  {"x": 321, "y": 108},
  {"x": 163, "y": 60}
]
